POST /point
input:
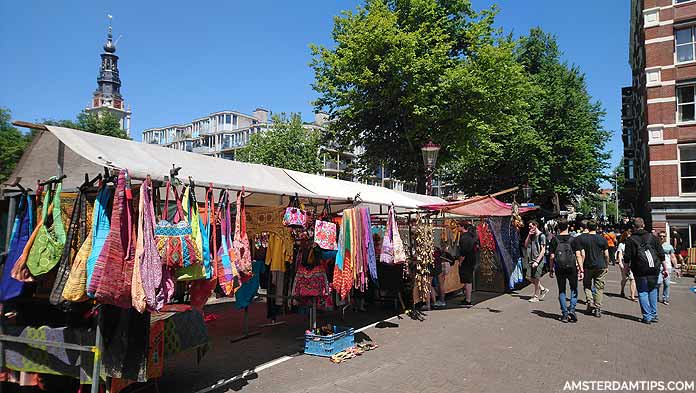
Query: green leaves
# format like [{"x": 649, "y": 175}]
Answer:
[
  {"x": 12, "y": 145},
  {"x": 100, "y": 122},
  {"x": 403, "y": 72},
  {"x": 288, "y": 144}
]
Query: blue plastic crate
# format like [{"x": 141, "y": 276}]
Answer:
[{"x": 342, "y": 339}]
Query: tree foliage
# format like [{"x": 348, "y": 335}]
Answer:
[
  {"x": 100, "y": 122},
  {"x": 505, "y": 111},
  {"x": 12, "y": 145},
  {"x": 287, "y": 144}
]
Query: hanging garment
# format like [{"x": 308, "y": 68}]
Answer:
[
  {"x": 340, "y": 253},
  {"x": 310, "y": 281},
  {"x": 242, "y": 251},
  {"x": 201, "y": 290},
  {"x": 228, "y": 276},
  {"x": 190, "y": 208},
  {"x": 246, "y": 294},
  {"x": 369, "y": 241},
  {"x": 21, "y": 231},
  {"x": 75, "y": 236},
  {"x": 20, "y": 271},
  {"x": 48, "y": 246},
  {"x": 113, "y": 272},
  {"x": 174, "y": 238},
  {"x": 101, "y": 224}
]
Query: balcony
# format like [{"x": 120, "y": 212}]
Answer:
[{"x": 203, "y": 150}]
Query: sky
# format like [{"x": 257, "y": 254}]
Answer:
[{"x": 179, "y": 62}]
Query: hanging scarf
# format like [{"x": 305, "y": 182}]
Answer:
[
  {"x": 425, "y": 250},
  {"x": 367, "y": 232}
]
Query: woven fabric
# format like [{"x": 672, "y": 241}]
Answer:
[
  {"x": 73, "y": 241},
  {"x": 20, "y": 271},
  {"x": 48, "y": 246},
  {"x": 175, "y": 242},
  {"x": 370, "y": 242},
  {"x": 75, "y": 289},
  {"x": 242, "y": 251},
  {"x": 138, "y": 298},
  {"x": 101, "y": 224},
  {"x": 310, "y": 282},
  {"x": 113, "y": 272},
  {"x": 228, "y": 276},
  {"x": 21, "y": 231},
  {"x": 325, "y": 235}
]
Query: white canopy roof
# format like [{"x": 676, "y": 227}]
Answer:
[{"x": 89, "y": 152}]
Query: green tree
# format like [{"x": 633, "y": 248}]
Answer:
[
  {"x": 287, "y": 144},
  {"x": 394, "y": 78},
  {"x": 566, "y": 120},
  {"x": 12, "y": 145},
  {"x": 100, "y": 122}
]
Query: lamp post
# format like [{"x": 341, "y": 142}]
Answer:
[{"x": 430, "y": 151}]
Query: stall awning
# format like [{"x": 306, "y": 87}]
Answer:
[
  {"x": 479, "y": 206},
  {"x": 88, "y": 153}
]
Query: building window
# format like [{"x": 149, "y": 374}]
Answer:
[
  {"x": 687, "y": 169},
  {"x": 228, "y": 119},
  {"x": 685, "y": 44},
  {"x": 686, "y": 104}
]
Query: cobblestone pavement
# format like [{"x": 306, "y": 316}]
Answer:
[{"x": 503, "y": 344}]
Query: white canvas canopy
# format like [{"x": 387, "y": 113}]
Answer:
[{"x": 89, "y": 153}]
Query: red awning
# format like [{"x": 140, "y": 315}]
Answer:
[{"x": 479, "y": 206}]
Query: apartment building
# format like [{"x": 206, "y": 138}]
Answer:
[{"x": 659, "y": 115}]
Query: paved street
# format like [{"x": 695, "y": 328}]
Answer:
[{"x": 504, "y": 344}]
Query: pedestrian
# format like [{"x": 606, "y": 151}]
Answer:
[
  {"x": 670, "y": 262},
  {"x": 644, "y": 255},
  {"x": 610, "y": 237},
  {"x": 592, "y": 253},
  {"x": 467, "y": 259},
  {"x": 626, "y": 273},
  {"x": 535, "y": 245},
  {"x": 564, "y": 266}
]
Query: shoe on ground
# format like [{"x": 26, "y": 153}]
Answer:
[
  {"x": 645, "y": 321},
  {"x": 597, "y": 313},
  {"x": 534, "y": 299},
  {"x": 665, "y": 302},
  {"x": 622, "y": 294},
  {"x": 589, "y": 310},
  {"x": 466, "y": 303},
  {"x": 440, "y": 304},
  {"x": 655, "y": 320},
  {"x": 543, "y": 293},
  {"x": 572, "y": 317},
  {"x": 565, "y": 318}
]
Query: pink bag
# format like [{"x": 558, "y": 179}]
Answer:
[
  {"x": 325, "y": 231},
  {"x": 294, "y": 216},
  {"x": 240, "y": 244}
]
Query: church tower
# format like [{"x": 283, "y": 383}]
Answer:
[{"x": 108, "y": 94}]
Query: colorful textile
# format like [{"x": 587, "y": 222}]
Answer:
[
  {"x": 325, "y": 235},
  {"x": 227, "y": 274},
  {"x": 240, "y": 244},
  {"x": 310, "y": 282},
  {"x": 100, "y": 229},
  {"x": 246, "y": 293},
  {"x": 183, "y": 331},
  {"x": 369, "y": 240},
  {"x": 21, "y": 230},
  {"x": 126, "y": 335},
  {"x": 393, "y": 251},
  {"x": 175, "y": 237},
  {"x": 48, "y": 246},
  {"x": 113, "y": 271}
]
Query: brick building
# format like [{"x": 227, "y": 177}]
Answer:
[{"x": 659, "y": 115}]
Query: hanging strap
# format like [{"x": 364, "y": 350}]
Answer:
[{"x": 165, "y": 212}]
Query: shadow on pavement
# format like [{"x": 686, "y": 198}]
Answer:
[
  {"x": 544, "y": 314},
  {"x": 621, "y": 316}
]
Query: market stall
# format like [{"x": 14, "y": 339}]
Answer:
[{"x": 134, "y": 233}]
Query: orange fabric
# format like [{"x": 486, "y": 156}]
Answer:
[
  {"x": 611, "y": 239},
  {"x": 20, "y": 272}
]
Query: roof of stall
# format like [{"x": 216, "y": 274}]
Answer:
[
  {"x": 88, "y": 153},
  {"x": 478, "y": 206}
]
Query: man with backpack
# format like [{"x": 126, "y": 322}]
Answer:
[
  {"x": 645, "y": 256},
  {"x": 564, "y": 267},
  {"x": 592, "y": 254}
]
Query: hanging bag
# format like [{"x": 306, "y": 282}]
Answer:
[
  {"x": 138, "y": 298},
  {"x": 75, "y": 236},
  {"x": 242, "y": 251},
  {"x": 174, "y": 238},
  {"x": 152, "y": 273},
  {"x": 20, "y": 272},
  {"x": 101, "y": 224},
  {"x": 21, "y": 231},
  {"x": 294, "y": 216},
  {"x": 113, "y": 272},
  {"x": 48, "y": 246},
  {"x": 201, "y": 290},
  {"x": 192, "y": 216},
  {"x": 325, "y": 231},
  {"x": 228, "y": 276}
]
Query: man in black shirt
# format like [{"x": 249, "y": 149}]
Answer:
[
  {"x": 467, "y": 259},
  {"x": 646, "y": 278},
  {"x": 592, "y": 253},
  {"x": 564, "y": 267}
]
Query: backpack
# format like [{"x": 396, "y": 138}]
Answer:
[
  {"x": 564, "y": 255},
  {"x": 646, "y": 262}
]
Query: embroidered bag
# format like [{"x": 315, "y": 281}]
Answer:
[
  {"x": 174, "y": 238},
  {"x": 101, "y": 224},
  {"x": 227, "y": 274},
  {"x": 113, "y": 272},
  {"x": 48, "y": 246},
  {"x": 325, "y": 231},
  {"x": 75, "y": 236},
  {"x": 240, "y": 244},
  {"x": 294, "y": 216},
  {"x": 21, "y": 231},
  {"x": 190, "y": 209},
  {"x": 75, "y": 289},
  {"x": 157, "y": 286}
]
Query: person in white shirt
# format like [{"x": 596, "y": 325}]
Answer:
[
  {"x": 670, "y": 262},
  {"x": 626, "y": 273}
]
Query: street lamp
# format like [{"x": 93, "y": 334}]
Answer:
[
  {"x": 527, "y": 192},
  {"x": 430, "y": 151}
]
